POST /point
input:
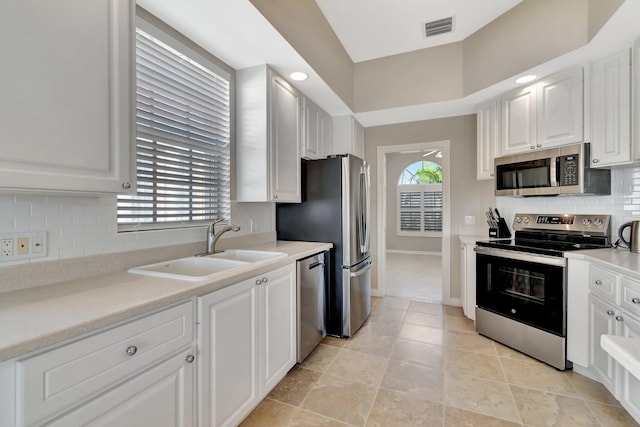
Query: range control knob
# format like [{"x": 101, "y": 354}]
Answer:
[
  {"x": 518, "y": 219},
  {"x": 586, "y": 221},
  {"x": 597, "y": 222},
  {"x": 527, "y": 220}
]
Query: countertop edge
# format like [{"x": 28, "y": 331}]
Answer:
[
  {"x": 45, "y": 334},
  {"x": 625, "y": 350}
]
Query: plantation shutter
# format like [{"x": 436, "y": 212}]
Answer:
[
  {"x": 183, "y": 136},
  {"x": 420, "y": 208}
]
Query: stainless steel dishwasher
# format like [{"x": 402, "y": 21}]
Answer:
[{"x": 311, "y": 303}]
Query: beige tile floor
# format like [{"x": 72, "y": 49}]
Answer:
[
  {"x": 415, "y": 363},
  {"x": 414, "y": 276}
]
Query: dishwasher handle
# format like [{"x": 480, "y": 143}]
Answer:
[{"x": 316, "y": 264}]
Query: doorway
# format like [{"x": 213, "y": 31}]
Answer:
[{"x": 413, "y": 208}]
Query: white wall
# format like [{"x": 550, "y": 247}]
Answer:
[
  {"x": 623, "y": 203},
  {"x": 83, "y": 226}
]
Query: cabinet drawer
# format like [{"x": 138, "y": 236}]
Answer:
[
  {"x": 62, "y": 378},
  {"x": 630, "y": 296},
  {"x": 604, "y": 283}
]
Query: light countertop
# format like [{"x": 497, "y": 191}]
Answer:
[
  {"x": 32, "y": 319},
  {"x": 625, "y": 350},
  {"x": 621, "y": 260}
]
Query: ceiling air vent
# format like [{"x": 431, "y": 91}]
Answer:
[{"x": 441, "y": 26}]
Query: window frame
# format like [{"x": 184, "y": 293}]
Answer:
[{"x": 169, "y": 36}]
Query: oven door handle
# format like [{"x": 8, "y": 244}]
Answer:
[{"x": 522, "y": 256}]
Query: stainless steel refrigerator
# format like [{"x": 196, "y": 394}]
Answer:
[{"x": 335, "y": 208}]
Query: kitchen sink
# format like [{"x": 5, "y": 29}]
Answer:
[
  {"x": 197, "y": 268},
  {"x": 246, "y": 255},
  {"x": 191, "y": 268}
]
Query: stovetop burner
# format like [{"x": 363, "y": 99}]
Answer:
[{"x": 553, "y": 235}]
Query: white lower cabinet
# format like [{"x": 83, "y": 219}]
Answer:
[
  {"x": 601, "y": 322},
  {"x": 247, "y": 338},
  {"x": 138, "y": 373},
  {"x": 163, "y": 396},
  {"x": 468, "y": 280}
]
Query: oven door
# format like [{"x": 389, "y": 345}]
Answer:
[{"x": 526, "y": 287}]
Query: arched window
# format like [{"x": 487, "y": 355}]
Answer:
[{"x": 419, "y": 200}]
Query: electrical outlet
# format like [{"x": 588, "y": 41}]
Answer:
[
  {"x": 7, "y": 247},
  {"x": 469, "y": 220},
  {"x": 22, "y": 246}
]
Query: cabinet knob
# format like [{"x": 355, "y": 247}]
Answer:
[
  {"x": 264, "y": 280},
  {"x": 538, "y": 145},
  {"x": 635, "y": 300},
  {"x": 619, "y": 318},
  {"x": 610, "y": 312},
  {"x": 595, "y": 161},
  {"x": 131, "y": 350},
  {"x": 275, "y": 196},
  {"x": 190, "y": 358},
  {"x": 598, "y": 282},
  {"x": 258, "y": 281},
  {"x": 126, "y": 185},
  {"x": 532, "y": 147}
]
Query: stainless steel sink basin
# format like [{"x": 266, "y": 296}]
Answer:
[
  {"x": 247, "y": 255},
  {"x": 191, "y": 268},
  {"x": 197, "y": 268}
]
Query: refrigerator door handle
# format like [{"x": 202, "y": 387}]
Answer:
[
  {"x": 362, "y": 208},
  {"x": 361, "y": 271},
  {"x": 367, "y": 209}
]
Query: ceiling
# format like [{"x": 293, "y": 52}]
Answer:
[
  {"x": 370, "y": 29},
  {"x": 235, "y": 32}
]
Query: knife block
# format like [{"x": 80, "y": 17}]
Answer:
[{"x": 501, "y": 232}]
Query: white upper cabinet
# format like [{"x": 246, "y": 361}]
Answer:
[
  {"x": 611, "y": 110},
  {"x": 348, "y": 136},
  {"x": 518, "y": 109},
  {"x": 316, "y": 143},
  {"x": 561, "y": 108},
  {"x": 488, "y": 131},
  {"x": 269, "y": 135},
  {"x": 543, "y": 115},
  {"x": 67, "y": 105}
]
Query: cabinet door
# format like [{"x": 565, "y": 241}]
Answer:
[
  {"x": 66, "y": 115},
  {"x": 312, "y": 140},
  {"x": 163, "y": 396},
  {"x": 601, "y": 321},
  {"x": 487, "y": 142},
  {"x": 518, "y": 109},
  {"x": 358, "y": 139},
  {"x": 326, "y": 125},
  {"x": 611, "y": 109},
  {"x": 278, "y": 327},
  {"x": 285, "y": 138},
  {"x": 630, "y": 385},
  {"x": 561, "y": 108},
  {"x": 228, "y": 362}
]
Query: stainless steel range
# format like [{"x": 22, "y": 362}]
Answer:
[{"x": 521, "y": 284}]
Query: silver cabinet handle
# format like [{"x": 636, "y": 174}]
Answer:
[
  {"x": 538, "y": 145},
  {"x": 532, "y": 147},
  {"x": 619, "y": 318},
  {"x": 131, "y": 350},
  {"x": 275, "y": 196},
  {"x": 190, "y": 358},
  {"x": 610, "y": 312},
  {"x": 264, "y": 280},
  {"x": 595, "y": 161},
  {"x": 126, "y": 185},
  {"x": 599, "y": 282},
  {"x": 635, "y": 300},
  {"x": 258, "y": 281}
]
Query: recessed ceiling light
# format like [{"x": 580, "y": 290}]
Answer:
[
  {"x": 526, "y": 79},
  {"x": 299, "y": 76}
]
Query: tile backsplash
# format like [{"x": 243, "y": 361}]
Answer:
[
  {"x": 80, "y": 226},
  {"x": 623, "y": 203}
]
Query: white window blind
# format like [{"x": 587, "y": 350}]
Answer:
[
  {"x": 419, "y": 209},
  {"x": 183, "y": 137}
]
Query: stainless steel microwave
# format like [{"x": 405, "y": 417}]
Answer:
[{"x": 556, "y": 171}]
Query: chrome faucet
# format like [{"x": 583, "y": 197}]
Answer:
[{"x": 212, "y": 236}]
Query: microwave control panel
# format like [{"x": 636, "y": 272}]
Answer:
[{"x": 568, "y": 170}]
